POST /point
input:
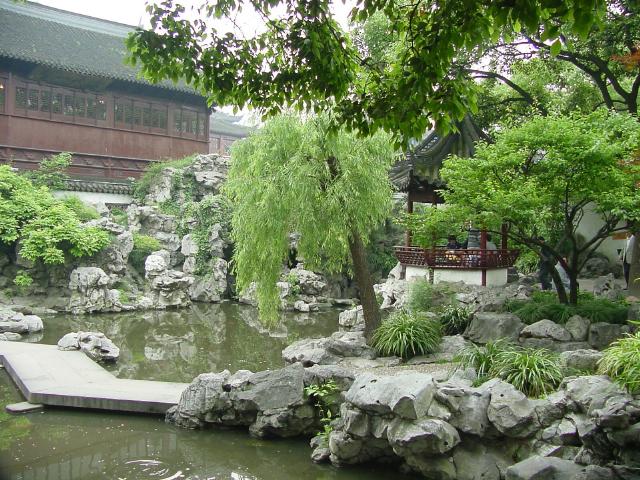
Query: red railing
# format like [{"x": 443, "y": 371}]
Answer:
[{"x": 469, "y": 258}]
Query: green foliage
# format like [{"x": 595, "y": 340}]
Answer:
[
  {"x": 430, "y": 225},
  {"x": 545, "y": 305},
  {"x": 621, "y": 361},
  {"x": 527, "y": 262},
  {"x": 299, "y": 176},
  {"x": 326, "y": 396},
  {"x": 535, "y": 372},
  {"x": 83, "y": 211},
  {"x": 313, "y": 65},
  {"x": 454, "y": 319},
  {"x": 143, "y": 245},
  {"x": 538, "y": 177},
  {"x": 293, "y": 280},
  {"x": 120, "y": 216},
  {"x": 424, "y": 296},
  {"x": 407, "y": 334},
  {"x": 51, "y": 172},
  {"x": 143, "y": 185},
  {"x": 23, "y": 281}
]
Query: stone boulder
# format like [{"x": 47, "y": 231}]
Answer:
[
  {"x": 601, "y": 334},
  {"x": 90, "y": 291},
  {"x": 328, "y": 350},
  {"x": 544, "y": 468},
  {"x": 169, "y": 288},
  {"x": 578, "y": 327},
  {"x": 466, "y": 407},
  {"x": 489, "y": 327},
  {"x": 210, "y": 172},
  {"x": 546, "y": 329},
  {"x": 422, "y": 437},
  {"x": 394, "y": 290},
  {"x": 606, "y": 287},
  {"x": 212, "y": 286},
  {"x": 351, "y": 320},
  {"x": 449, "y": 348},
  {"x": 582, "y": 360},
  {"x": 408, "y": 396},
  {"x": 596, "y": 267},
  {"x": 17, "y": 322},
  {"x": 10, "y": 337},
  {"x": 93, "y": 344},
  {"x": 509, "y": 410}
]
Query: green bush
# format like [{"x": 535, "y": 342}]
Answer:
[
  {"x": 51, "y": 172},
  {"x": 454, "y": 319},
  {"x": 527, "y": 262},
  {"x": 23, "y": 281},
  {"x": 602, "y": 310},
  {"x": 423, "y": 296},
  {"x": 143, "y": 245},
  {"x": 407, "y": 334},
  {"x": 534, "y": 371},
  {"x": 120, "y": 216},
  {"x": 83, "y": 211},
  {"x": 621, "y": 361}
]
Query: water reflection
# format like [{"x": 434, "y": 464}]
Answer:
[
  {"x": 178, "y": 345},
  {"x": 73, "y": 445}
]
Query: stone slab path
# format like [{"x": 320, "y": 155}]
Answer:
[{"x": 50, "y": 376}]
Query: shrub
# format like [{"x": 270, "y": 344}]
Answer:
[
  {"x": 83, "y": 211},
  {"x": 423, "y": 296},
  {"x": 533, "y": 371},
  {"x": 120, "y": 216},
  {"x": 23, "y": 281},
  {"x": 621, "y": 361},
  {"x": 481, "y": 357},
  {"x": 143, "y": 245},
  {"x": 51, "y": 172},
  {"x": 407, "y": 334},
  {"x": 143, "y": 185},
  {"x": 454, "y": 319},
  {"x": 602, "y": 310},
  {"x": 527, "y": 262},
  {"x": 326, "y": 398}
]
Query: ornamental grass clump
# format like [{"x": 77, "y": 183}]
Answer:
[
  {"x": 621, "y": 361},
  {"x": 454, "y": 319},
  {"x": 407, "y": 334},
  {"x": 534, "y": 371}
]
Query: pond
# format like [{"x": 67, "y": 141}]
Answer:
[{"x": 171, "y": 346}]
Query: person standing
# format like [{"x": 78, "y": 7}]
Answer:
[
  {"x": 545, "y": 264},
  {"x": 627, "y": 256}
]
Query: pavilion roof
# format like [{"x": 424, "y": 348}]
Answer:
[{"x": 422, "y": 163}]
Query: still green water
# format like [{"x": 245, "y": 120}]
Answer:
[{"x": 63, "y": 444}]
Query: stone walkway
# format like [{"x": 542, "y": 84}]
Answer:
[{"x": 49, "y": 376}]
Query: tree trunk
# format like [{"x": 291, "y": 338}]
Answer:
[
  {"x": 365, "y": 284},
  {"x": 557, "y": 282},
  {"x": 573, "y": 288}
]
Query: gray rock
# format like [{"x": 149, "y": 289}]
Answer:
[
  {"x": 482, "y": 460},
  {"x": 422, "y": 437},
  {"x": 310, "y": 352},
  {"x": 449, "y": 347},
  {"x": 93, "y": 344},
  {"x": 272, "y": 389},
  {"x": 468, "y": 407},
  {"x": 408, "y": 396},
  {"x": 488, "y": 327},
  {"x": 350, "y": 344},
  {"x": 606, "y": 287},
  {"x": 602, "y": 334},
  {"x": 301, "y": 306},
  {"x": 189, "y": 247},
  {"x": 16, "y": 322},
  {"x": 344, "y": 448},
  {"x": 596, "y": 267},
  {"x": 318, "y": 374},
  {"x": 543, "y": 468},
  {"x": 155, "y": 264},
  {"x": 351, "y": 320},
  {"x": 590, "y": 391},
  {"x": 561, "y": 432},
  {"x": 582, "y": 360},
  {"x": 510, "y": 411},
  {"x": 10, "y": 337},
  {"x": 578, "y": 327},
  {"x": 546, "y": 329},
  {"x": 212, "y": 286},
  {"x": 90, "y": 291}
]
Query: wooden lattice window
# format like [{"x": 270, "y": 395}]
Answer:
[
  {"x": 45, "y": 100},
  {"x": 177, "y": 120},
  {"x": 2, "y": 95},
  {"x": 68, "y": 104},
  {"x": 56, "y": 103},
  {"x": 33, "y": 99},
  {"x": 21, "y": 98},
  {"x": 81, "y": 106},
  {"x": 101, "y": 108}
]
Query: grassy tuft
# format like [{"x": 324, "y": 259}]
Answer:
[
  {"x": 407, "y": 334},
  {"x": 621, "y": 361},
  {"x": 454, "y": 319}
]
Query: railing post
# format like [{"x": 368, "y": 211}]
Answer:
[{"x": 483, "y": 255}]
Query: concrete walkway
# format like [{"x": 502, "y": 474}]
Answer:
[{"x": 50, "y": 376}]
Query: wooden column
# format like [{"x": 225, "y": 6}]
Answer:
[
  {"x": 407, "y": 234},
  {"x": 483, "y": 253}
]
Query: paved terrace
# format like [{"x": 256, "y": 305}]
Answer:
[{"x": 50, "y": 376}]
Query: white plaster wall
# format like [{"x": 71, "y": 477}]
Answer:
[
  {"x": 589, "y": 225},
  {"x": 94, "y": 198},
  {"x": 495, "y": 277}
]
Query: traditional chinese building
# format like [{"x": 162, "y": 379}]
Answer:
[
  {"x": 64, "y": 87},
  {"x": 418, "y": 175},
  {"x": 224, "y": 130}
]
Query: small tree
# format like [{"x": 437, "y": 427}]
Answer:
[
  {"x": 542, "y": 177},
  {"x": 302, "y": 176}
]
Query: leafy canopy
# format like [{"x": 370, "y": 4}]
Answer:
[
  {"x": 296, "y": 175},
  {"x": 47, "y": 228},
  {"x": 303, "y": 59}
]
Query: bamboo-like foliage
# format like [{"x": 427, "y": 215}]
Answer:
[
  {"x": 621, "y": 361},
  {"x": 302, "y": 176},
  {"x": 407, "y": 334}
]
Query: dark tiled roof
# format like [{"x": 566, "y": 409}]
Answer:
[
  {"x": 68, "y": 41},
  {"x": 120, "y": 187},
  {"x": 422, "y": 163}
]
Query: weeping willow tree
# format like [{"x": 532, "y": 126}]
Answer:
[{"x": 328, "y": 185}]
